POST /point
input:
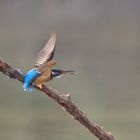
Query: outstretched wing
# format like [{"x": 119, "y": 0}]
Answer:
[{"x": 47, "y": 53}]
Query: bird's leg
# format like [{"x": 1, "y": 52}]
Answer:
[{"x": 39, "y": 85}]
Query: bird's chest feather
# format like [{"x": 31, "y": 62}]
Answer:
[{"x": 45, "y": 77}]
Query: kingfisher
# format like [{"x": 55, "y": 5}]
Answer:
[{"x": 43, "y": 70}]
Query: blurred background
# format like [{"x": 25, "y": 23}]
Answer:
[{"x": 97, "y": 38}]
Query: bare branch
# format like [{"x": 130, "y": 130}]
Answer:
[{"x": 64, "y": 100}]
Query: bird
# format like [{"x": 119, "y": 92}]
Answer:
[{"x": 43, "y": 70}]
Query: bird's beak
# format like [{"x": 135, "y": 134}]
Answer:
[{"x": 69, "y": 72}]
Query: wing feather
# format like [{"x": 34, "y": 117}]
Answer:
[{"x": 47, "y": 53}]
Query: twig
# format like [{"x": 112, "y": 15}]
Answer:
[{"x": 64, "y": 100}]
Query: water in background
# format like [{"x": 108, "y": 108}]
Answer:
[{"x": 100, "y": 40}]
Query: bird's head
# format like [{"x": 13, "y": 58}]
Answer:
[{"x": 58, "y": 72}]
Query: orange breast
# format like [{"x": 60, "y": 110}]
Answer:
[{"x": 45, "y": 77}]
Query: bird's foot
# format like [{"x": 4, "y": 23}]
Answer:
[{"x": 39, "y": 86}]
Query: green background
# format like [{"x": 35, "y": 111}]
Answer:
[{"x": 97, "y": 38}]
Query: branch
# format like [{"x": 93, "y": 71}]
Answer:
[{"x": 64, "y": 100}]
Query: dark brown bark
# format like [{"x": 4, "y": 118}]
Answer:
[{"x": 64, "y": 100}]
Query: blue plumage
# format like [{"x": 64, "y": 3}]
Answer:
[{"x": 29, "y": 78}]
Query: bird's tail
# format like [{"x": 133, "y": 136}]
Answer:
[{"x": 27, "y": 87}]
